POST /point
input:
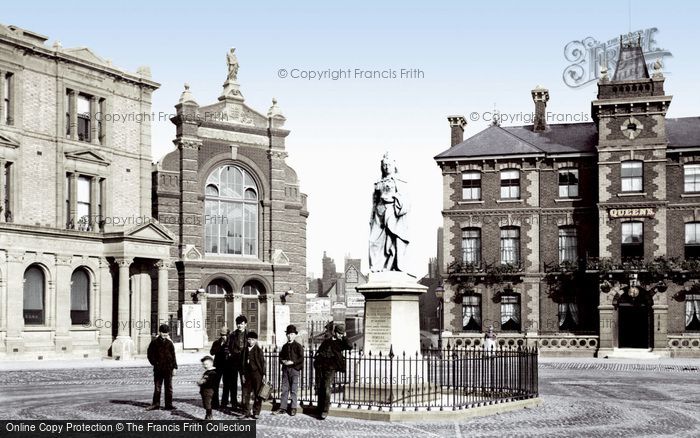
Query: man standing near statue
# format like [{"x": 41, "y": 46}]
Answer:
[
  {"x": 328, "y": 360},
  {"x": 388, "y": 237}
]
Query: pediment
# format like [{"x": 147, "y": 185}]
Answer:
[
  {"x": 279, "y": 258},
  {"x": 150, "y": 231},
  {"x": 7, "y": 141},
  {"x": 85, "y": 54},
  {"x": 88, "y": 156}
]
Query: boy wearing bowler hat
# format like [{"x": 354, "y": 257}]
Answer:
[{"x": 292, "y": 360}]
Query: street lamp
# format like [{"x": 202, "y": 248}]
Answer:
[{"x": 440, "y": 295}]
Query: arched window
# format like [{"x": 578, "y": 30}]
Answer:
[
  {"x": 34, "y": 293},
  {"x": 79, "y": 297},
  {"x": 218, "y": 287},
  {"x": 231, "y": 212}
]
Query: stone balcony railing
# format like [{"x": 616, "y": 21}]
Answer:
[
  {"x": 564, "y": 344},
  {"x": 686, "y": 345}
]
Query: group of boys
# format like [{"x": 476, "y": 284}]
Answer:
[{"x": 237, "y": 355}]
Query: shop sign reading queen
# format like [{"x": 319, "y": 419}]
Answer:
[{"x": 616, "y": 213}]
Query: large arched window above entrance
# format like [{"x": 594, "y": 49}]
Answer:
[
  {"x": 79, "y": 297},
  {"x": 34, "y": 296},
  {"x": 231, "y": 212}
]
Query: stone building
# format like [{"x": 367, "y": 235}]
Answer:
[
  {"x": 82, "y": 265},
  {"x": 580, "y": 238},
  {"x": 237, "y": 214}
]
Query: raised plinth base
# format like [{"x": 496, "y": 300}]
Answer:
[
  {"x": 123, "y": 348},
  {"x": 373, "y": 394},
  {"x": 391, "y": 313}
]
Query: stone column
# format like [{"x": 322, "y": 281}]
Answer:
[
  {"x": 15, "y": 302},
  {"x": 62, "y": 338},
  {"x": 237, "y": 310},
  {"x": 265, "y": 317},
  {"x": 94, "y": 134},
  {"x": 93, "y": 222},
  {"x": 73, "y": 193},
  {"x": 104, "y": 312},
  {"x": 143, "y": 323},
  {"x": 3, "y": 116},
  {"x": 660, "y": 324},
  {"x": 203, "y": 302},
  {"x": 73, "y": 114},
  {"x": 163, "y": 266},
  {"x": 608, "y": 324},
  {"x": 2, "y": 178},
  {"x": 122, "y": 347}
]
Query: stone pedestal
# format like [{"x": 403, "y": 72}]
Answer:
[
  {"x": 392, "y": 319},
  {"x": 123, "y": 348},
  {"x": 392, "y": 328}
]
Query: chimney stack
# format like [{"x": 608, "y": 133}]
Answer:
[
  {"x": 457, "y": 124},
  {"x": 540, "y": 96}
]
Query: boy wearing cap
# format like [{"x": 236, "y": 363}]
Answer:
[
  {"x": 292, "y": 360},
  {"x": 327, "y": 361},
  {"x": 161, "y": 354},
  {"x": 252, "y": 376},
  {"x": 208, "y": 385}
]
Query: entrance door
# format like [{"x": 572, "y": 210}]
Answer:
[
  {"x": 633, "y": 326},
  {"x": 249, "y": 308},
  {"x": 215, "y": 316}
]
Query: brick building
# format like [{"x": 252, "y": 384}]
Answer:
[
  {"x": 580, "y": 238},
  {"x": 81, "y": 263},
  {"x": 238, "y": 217}
]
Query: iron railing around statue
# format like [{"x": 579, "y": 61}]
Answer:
[{"x": 452, "y": 378}]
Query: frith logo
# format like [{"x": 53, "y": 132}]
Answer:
[{"x": 631, "y": 212}]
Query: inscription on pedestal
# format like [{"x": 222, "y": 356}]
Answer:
[{"x": 377, "y": 326}]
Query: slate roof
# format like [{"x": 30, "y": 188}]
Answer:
[{"x": 557, "y": 139}]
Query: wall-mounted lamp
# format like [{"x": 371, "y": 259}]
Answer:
[
  {"x": 284, "y": 296},
  {"x": 196, "y": 294}
]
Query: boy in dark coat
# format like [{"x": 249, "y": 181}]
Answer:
[
  {"x": 253, "y": 375},
  {"x": 161, "y": 354},
  {"x": 292, "y": 361},
  {"x": 207, "y": 385},
  {"x": 219, "y": 349},
  {"x": 327, "y": 361}
]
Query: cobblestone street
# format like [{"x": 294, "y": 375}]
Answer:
[{"x": 580, "y": 398}]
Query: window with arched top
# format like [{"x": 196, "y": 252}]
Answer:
[
  {"x": 34, "y": 296},
  {"x": 219, "y": 287},
  {"x": 79, "y": 297},
  {"x": 231, "y": 212}
]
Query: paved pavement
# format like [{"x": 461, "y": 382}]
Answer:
[{"x": 586, "y": 398}]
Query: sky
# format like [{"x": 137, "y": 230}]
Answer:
[{"x": 471, "y": 57}]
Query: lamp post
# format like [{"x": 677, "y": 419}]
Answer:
[{"x": 440, "y": 295}]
